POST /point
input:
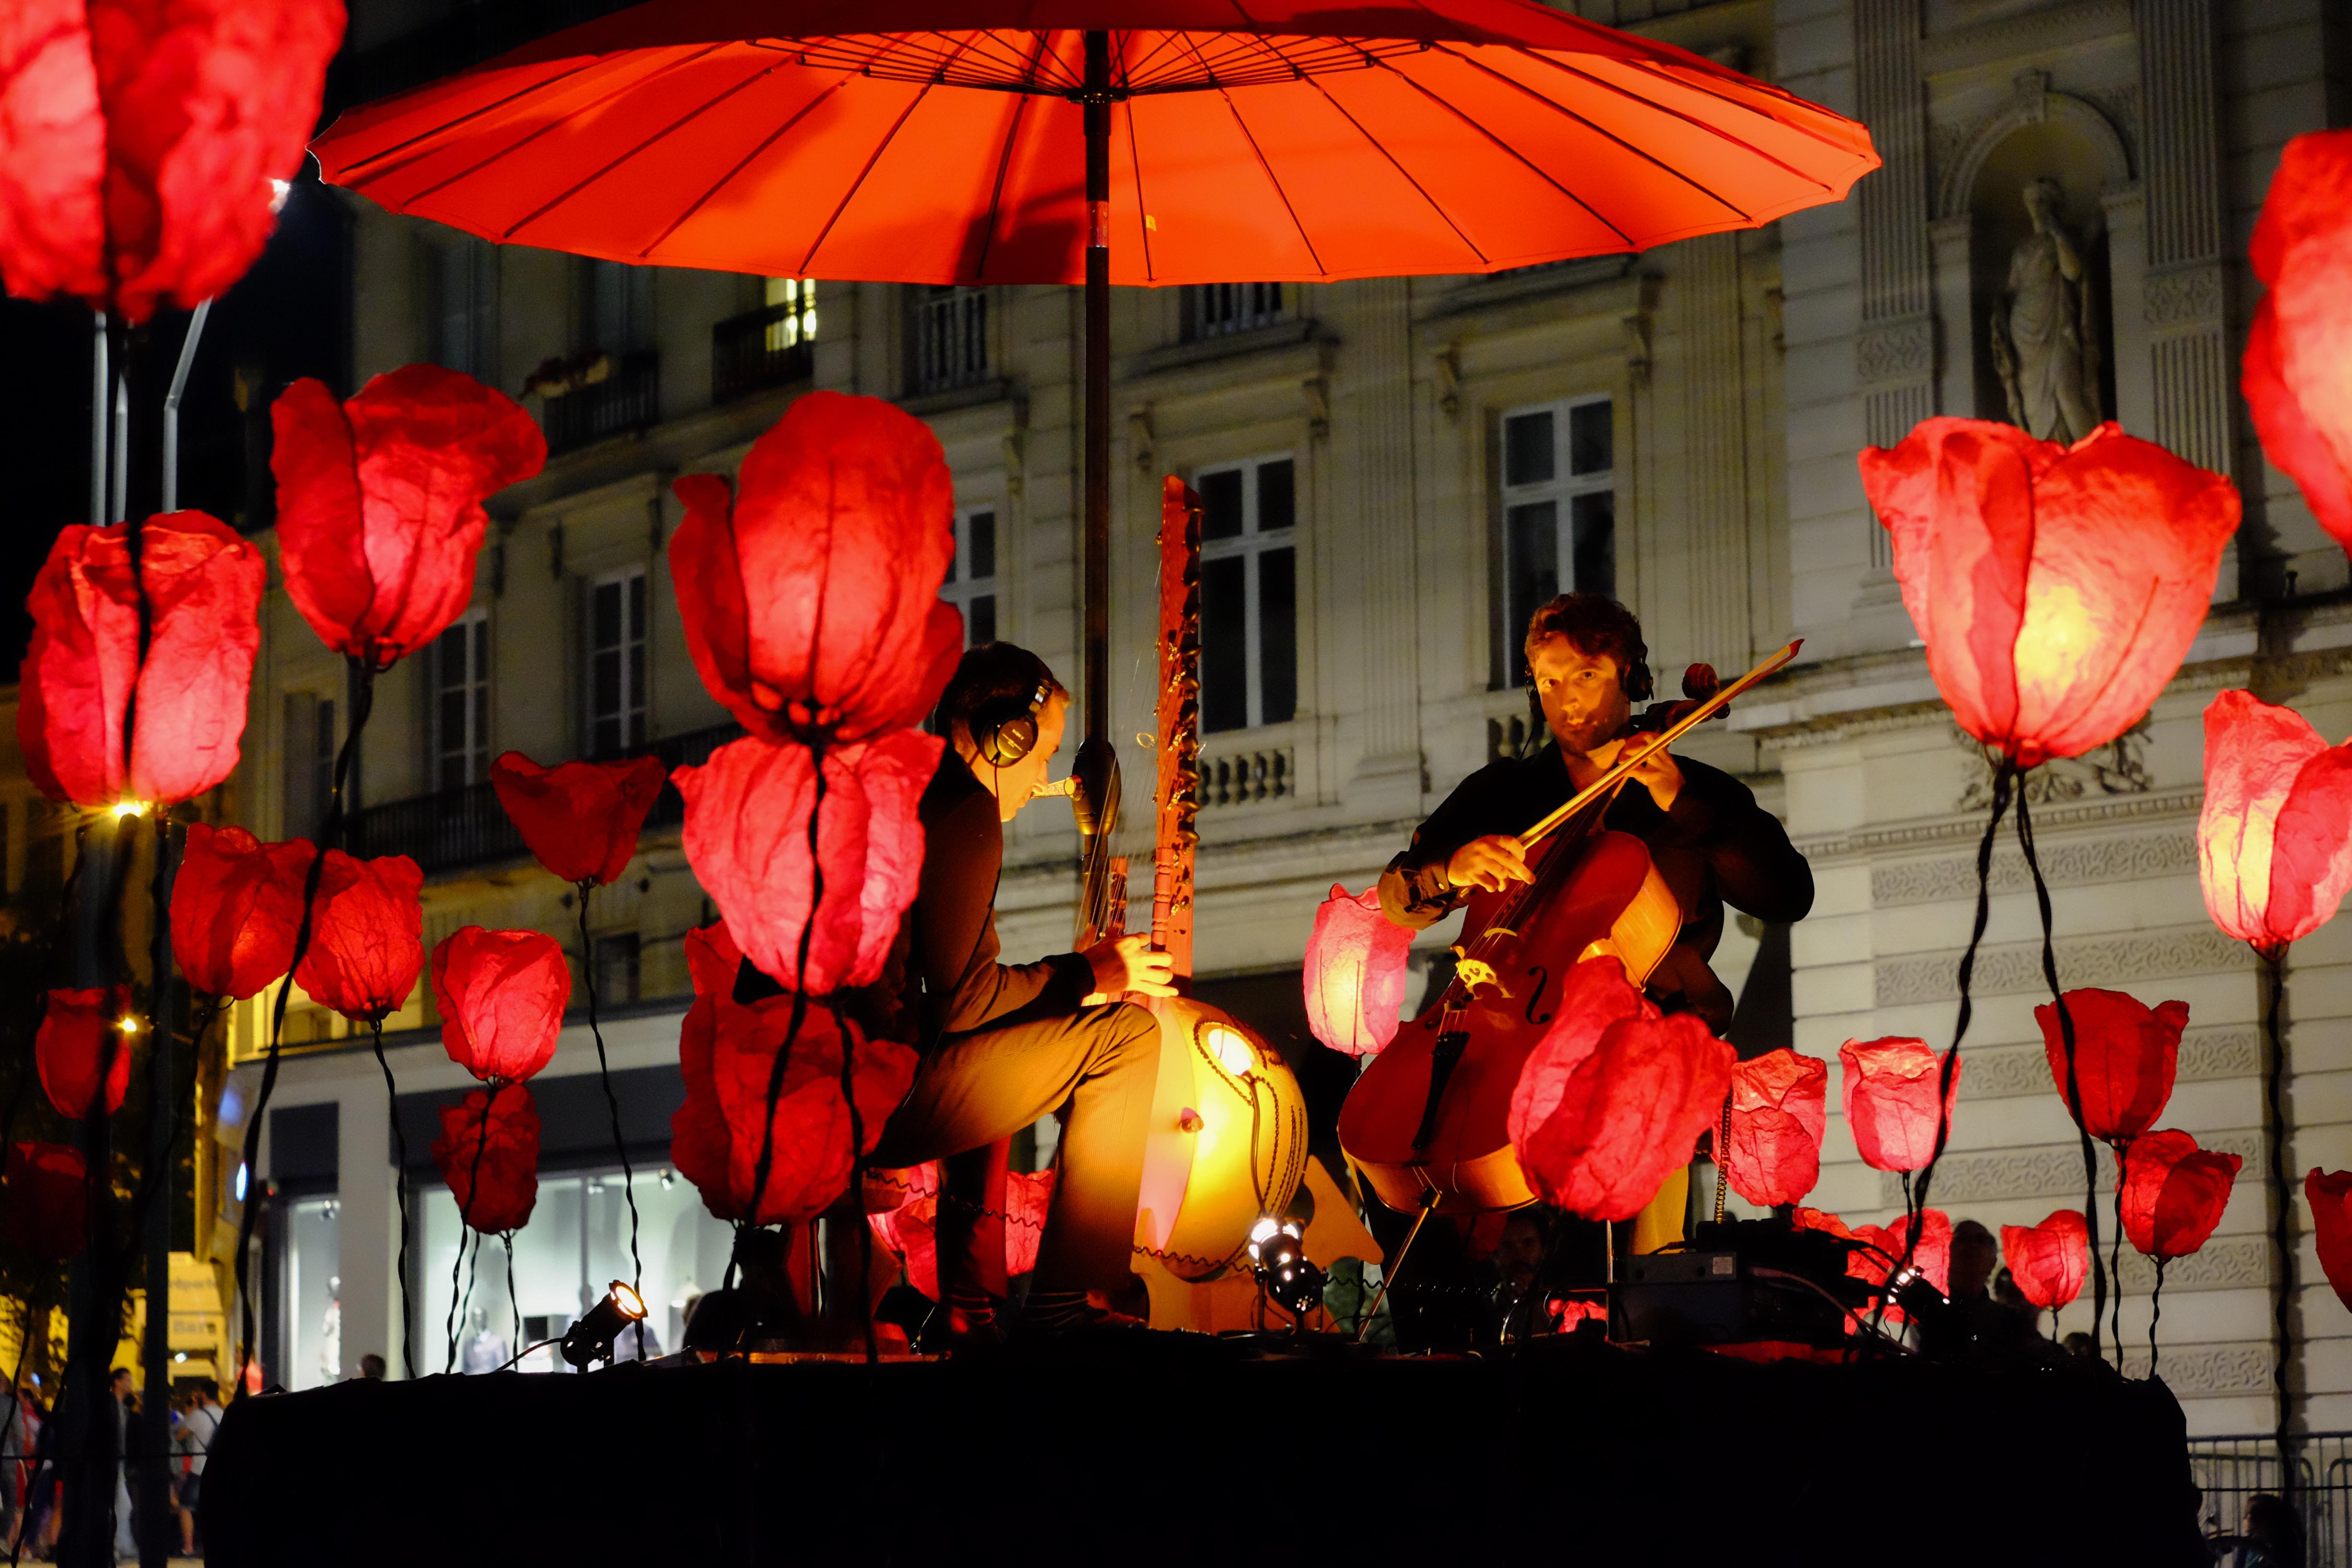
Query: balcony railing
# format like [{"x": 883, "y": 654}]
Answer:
[
  {"x": 1219, "y": 310},
  {"x": 629, "y": 398},
  {"x": 759, "y": 349},
  {"x": 951, "y": 339},
  {"x": 460, "y": 827}
]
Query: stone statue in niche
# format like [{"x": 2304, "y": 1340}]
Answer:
[{"x": 2045, "y": 342}]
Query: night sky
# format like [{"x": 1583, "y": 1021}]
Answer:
[{"x": 288, "y": 318}]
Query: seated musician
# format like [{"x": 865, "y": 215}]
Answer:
[
  {"x": 1713, "y": 845},
  {"x": 1004, "y": 1044}
]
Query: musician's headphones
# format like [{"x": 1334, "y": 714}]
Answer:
[
  {"x": 1004, "y": 729},
  {"x": 1639, "y": 684}
]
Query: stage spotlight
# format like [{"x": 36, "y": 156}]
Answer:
[
  {"x": 1289, "y": 1280},
  {"x": 591, "y": 1339}
]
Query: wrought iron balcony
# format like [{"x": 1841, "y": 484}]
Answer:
[
  {"x": 1219, "y": 310},
  {"x": 951, "y": 339},
  {"x": 759, "y": 349},
  {"x": 628, "y": 398},
  {"x": 457, "y": 828}
]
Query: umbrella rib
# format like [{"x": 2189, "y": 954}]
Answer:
[
  {"x": 1646, "y": 157},
  {"x": 996, "y": 192},
  {"x": 705, "y": 107},
  {"x": 1142, "y": 208},
  {"x": 849, "y": 195},
  {"x": 725, "y": 179},
  {"x": 1656, "y": 107},
  {"x": 449, "y": 125},
  {"x": 1423, "y": 191},
  {"x": 1242, "y": 126},
  {"x": 1532, "y": 166}
]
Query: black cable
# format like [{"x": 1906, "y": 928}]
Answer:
[
  {"x": 472, "y": 1200},
  {"x": 2154, "y": 1315},
  {"x": 613, "y": 1104},
  {"x": 399, "y": 1196},
  {"x": 2281, "y": 1206}
]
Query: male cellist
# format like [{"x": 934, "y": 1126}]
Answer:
[{"x": 1586, "y": 665}]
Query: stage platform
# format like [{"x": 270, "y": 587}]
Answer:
[{"x": 1182, "y": 1449}]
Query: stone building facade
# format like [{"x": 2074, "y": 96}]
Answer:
[{"x": 1402, "y": 467}]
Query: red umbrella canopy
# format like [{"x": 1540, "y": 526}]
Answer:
[{"x": 941, "y": 140}]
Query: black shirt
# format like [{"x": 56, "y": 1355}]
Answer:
[{"x": 1715, "y": 847}]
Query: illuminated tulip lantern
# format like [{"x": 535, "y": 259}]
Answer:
[
  {"x": 910, "y": 1230},
  {"x": 501, "y": 996},
  {"x": 2125, "y": 1058},
  {"x": 1891, "y": 1093},
  {"x": 2050, "y": 1261},
  {"x": 1355, "y": 972},
  {"x": 367, "y": 937},
  {"x": 581, "y": 819},
  {"x": 2173, "y": 1195},
  {"x": 2298, "y": 343},
  {"x": 1780, "y": 1110},
  {"x": 488, "y": 1154},
  {"x": 236, "y": 905},
  {"x": 79, "y": 1030},
  {"x": 44, "y": 1201},
  {"x": 2329, "y": 1194}
]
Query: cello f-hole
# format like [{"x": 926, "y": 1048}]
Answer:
[{"x": 1542, "y": 978}]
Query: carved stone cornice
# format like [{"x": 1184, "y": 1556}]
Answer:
[
  {"x": 1902, "y": 349},
  {"x": 2208, "y": 1369},
  {"x": 2015, "y": 1072},
  {"x": 2051, "y": 1169},
  {"x": 2157, "y": 803},
  {"x": 2010, "y": 969},
  {"x": 2035, "y": 33}
]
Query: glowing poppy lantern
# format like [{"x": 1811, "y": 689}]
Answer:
[
  {"x": 237, "y": 903},
  {"x": 2049, "y": 1261},
  {"x": 2124, "y": 1056},
  {"x": 2300, "y": 337},
  {"x": 380, "y": 502},
  {"x": 910, "y": 1230},
  {"x": 1355, "y": 972},
  {"x": 143, "y": 147},
  {"x": 2329, "y": 1194},
  {"x": 501, "y": 996},
  {"x": 581, "y": 819},
  {"x": 489, "y": 1153},
  {"x": 79, "y": 1030},
  {"x": 2174, "y": 1193},
  {"x": 2274, "y": 837},
  {"x": 83, "y": 667},
  {"x": 367, "y": 936},
  {"x": 1630, "y": 1108},
  {"x": 746, "y": 834},
  {"x": 810, "y": 590},
  {"x": 1027, "y": 1196},
  {"x": 1779, "y": 1110},
  {"x": 728, "y": 1052},
  {"x": 1874, "y": 1262},
  {"x": 1890, "y": 1100},
  {"x": 2057, "y": 588},
  {"x": 44, "y": 1199}
]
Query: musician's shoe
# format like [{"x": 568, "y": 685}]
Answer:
[{"x": 954, "y": 1331}]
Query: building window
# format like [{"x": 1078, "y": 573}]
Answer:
[
  {"x": 1221, "y": 308},
  {"x": 464, "y": 284},
  {"x": 972, "y": 575},
  {"x": 461, "y": 701},
  {"x": 951, "y": 334},
  {"x": 1249, "y": 595},
  {"x": 1559, "y": 513},
  {"x": 310, "y": 762},
  {"x": 791, "y": 312},
  {"x": 616, "y": 661}
]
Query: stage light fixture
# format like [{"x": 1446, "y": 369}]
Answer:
[
  {"x": 1283, "y": 1273},
  {"x": 591, "y": 1339},
  {"x": 123, "y": 808}
]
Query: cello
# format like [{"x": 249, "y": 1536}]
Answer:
[{"x": 1425, "y": 1125}]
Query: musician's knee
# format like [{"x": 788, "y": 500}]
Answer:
[{"x": 1127, "y": 1035}]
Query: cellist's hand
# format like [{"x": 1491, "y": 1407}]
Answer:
[
  {"x": 1660, "y": 775},
  {"x": 1494, "y": 863}
]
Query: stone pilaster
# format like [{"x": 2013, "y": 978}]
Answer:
[
  {"x": 1715, "y": 511},
  {"x": 1894, "y": 353},
  {"x": 1381, "y": 476},
  {"x": 2185, "y": 300}
]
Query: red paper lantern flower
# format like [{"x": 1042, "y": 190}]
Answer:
[
  {"x": 2302, "y": 333},
  {"x": 79, "y": 1029},
  {"x": 44, "y": 1199},
  {"x": 810, "y": 590},
  {"x": 380, "y": 502},
  {"x": 1821, "y": 1220},
  {"x": 491, "y": 1166},
  {"x": 728, "y": 1052},
  {"x": 910, "y": 1230},
  {"x": 2049, "y": 1261},
  {"x": 581, "y": 819},
  {"x": 1875, "y": 1262},
  {"x": 139, "y": 143},
  {"x": 501, "y": 996},
  {"x": 204, "y": 592},
  {"x": 1890, "y": 1100},
  {"x": 2174, "y": 1193},
  {"x": 2057, "y": 587},
  {"x": 236, "y": 905},
  {"x": 1780, "y": 1108},
  {"x": 1355, "y": 972},
  {"x": 367, "y": 936},
  {"x": 1027, "y": 1196},
  {"x": 2125, "y": 1058},
  {"x": 2274, "y": 838},
  {"x": 2329, "y": 1194},
  {"x": 747, "y": 819},
  {"x": 1630, "y": 1108}
]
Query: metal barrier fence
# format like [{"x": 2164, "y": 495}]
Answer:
[{"x": 2231, "y": 1472}]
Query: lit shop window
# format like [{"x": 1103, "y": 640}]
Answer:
[
  {"x": 792, "y": 304},
  {"x": 1249, "y": 594}
]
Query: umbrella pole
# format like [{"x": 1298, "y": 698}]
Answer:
[{"x": 1096, "y": 546}]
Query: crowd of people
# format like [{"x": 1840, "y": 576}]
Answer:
[{"x": 30, "y": 1517}]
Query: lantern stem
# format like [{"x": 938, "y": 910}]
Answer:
[
  {"x": 613, "y": 1103},
  {"x": 400, "y": 1189},
  {"x": 467, "y": 1206},
  {"x": 2154, "y": 1315},
  {"x": 2282, "y": 1203},
  {"x": 858, "y": 1297}
]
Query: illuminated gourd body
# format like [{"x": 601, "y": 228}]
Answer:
[{"x": 1227, "y": 1140}]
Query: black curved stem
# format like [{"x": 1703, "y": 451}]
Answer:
[
  {"x": 613, "y": 1106},
  {"x": 800, "y": 993},
  {"x": 858, "y": 1177},
  {"x": 399, "y": 1193},
  {"x": 2281, "y": 1206},
  {"x": 2115, "y": 1257},
  {"x": 2154, "y": 1315},
  {"x": 514, "y": 1302},
  {"x": 464, "y": 1221}
]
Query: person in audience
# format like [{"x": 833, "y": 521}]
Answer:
[{"x": 196, "y": 1430}]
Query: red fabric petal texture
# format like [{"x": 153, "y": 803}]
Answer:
[
  {"x": 2329, "y": 1194},
  {"x": 2049, "y": 1261},
  {"x": 910, "y": 1230},
  {"x": 203, "y": 589},
  {"x": 367, "y": 936},
  {"x": 236, "y": 905},
  {"x": 488, "y": 1154},
  {"x": 810, "y": 590},
  {"x": 747, "y": 820},
  {"x": 380, "y": 502},
  {"x": 77, "y": 1034},
  {"x": 2174, "y": 1193},
  {"x": 2125, "y": 1058},
  {"x": 2298, "y": 363},
  {"x": 139, "y": 138},
  {"x": 1355, "y": 972},
  {"x": 2057, "y": 588},
  {"x": 1594, "y": 995},
  {"x": 2275, "y": 835},
  {"x": 1890, "y": 1100},
  {"x": 44, "y": 1199},
  {"x": 581, "y": 819},
  {"x": 501, "y": 996},
  {"x": 1779, "y": 1113}
]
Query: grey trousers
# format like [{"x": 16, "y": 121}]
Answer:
[{"x": 1098, "y": 1070}]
